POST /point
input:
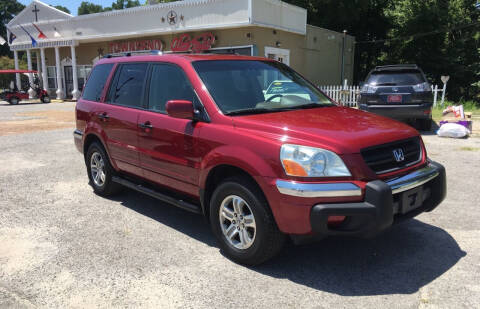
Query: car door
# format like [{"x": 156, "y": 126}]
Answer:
[
  {"x": 120, "y": 120},
  {"x": 168, "y": 152}
]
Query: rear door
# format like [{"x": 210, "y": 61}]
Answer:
[
  {"x": 125, "y": 100},
  {"x": 169, "y": 155}
]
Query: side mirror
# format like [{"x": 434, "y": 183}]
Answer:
[{"x": 181, "y": 109}]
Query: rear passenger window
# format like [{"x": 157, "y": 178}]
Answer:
[
  {"x": 96, "y": 82},
  {"x": 128, "y": 87},
  {"x": 168, "y": 82}
]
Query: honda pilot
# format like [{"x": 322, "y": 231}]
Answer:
[{"x": 254, "y": 147}]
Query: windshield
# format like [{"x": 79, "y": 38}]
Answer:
[
  {"x": 252, "y": 86},
  {"x": 396, "y": 78}
]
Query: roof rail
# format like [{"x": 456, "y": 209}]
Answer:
[
  {"x": 396, "y": 66},
  {"x": 132, "y": 53}
]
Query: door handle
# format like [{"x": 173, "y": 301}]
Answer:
[
  {"x": 103, "y": 116},
  {"x": 146, "y": 125}
]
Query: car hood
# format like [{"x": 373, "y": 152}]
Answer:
[{"x": 340, "y": 129}]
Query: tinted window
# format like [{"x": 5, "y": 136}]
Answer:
[
  {"x": 96, "y": 82},
  {"x": 128, "y": 87},
  {"x": 168, "y": 82},
  {"x": 396, "y": 78}
]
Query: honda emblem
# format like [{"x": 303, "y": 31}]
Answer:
[{"x": 398, "y": 154}]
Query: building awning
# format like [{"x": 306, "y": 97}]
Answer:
[{"x": 150, "y": 20}]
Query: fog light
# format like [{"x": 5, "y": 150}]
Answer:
[{"x": 334, "y": 221}]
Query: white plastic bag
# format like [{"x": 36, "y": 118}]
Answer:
[{"x": 454, "y": 130}]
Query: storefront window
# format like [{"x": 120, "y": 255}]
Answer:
[{"x": 52, "y": 77}]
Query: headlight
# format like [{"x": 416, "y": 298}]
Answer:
[
  {"x": 306, "y": 161},
  {"x": 422, "y": 87},
  {"x": 367, "y": 88}
]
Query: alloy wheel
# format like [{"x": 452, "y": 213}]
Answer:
[{"x": 237, "y": 222}]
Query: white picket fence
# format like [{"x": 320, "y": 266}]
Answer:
[{"x": 348, "y": 95}]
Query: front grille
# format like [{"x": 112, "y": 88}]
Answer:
[{"x": 381, "y": 159}]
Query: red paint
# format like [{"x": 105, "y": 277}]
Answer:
[
  {"x": 138, "y": 45},
  {"x": 185, "y": 42},
  {"x": 180, "y": 153},
  {"x": 180, "y": 109}
]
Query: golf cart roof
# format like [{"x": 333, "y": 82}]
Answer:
[{"x": 17, "y": 71}]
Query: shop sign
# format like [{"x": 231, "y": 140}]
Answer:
[
  {"x": 128, "y": 46},
  {"x": 186, "y": 42}
]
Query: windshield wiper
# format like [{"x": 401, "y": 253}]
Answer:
[
  {"x": 249, "y": 111},
  {"x": 311, "y": 105}
]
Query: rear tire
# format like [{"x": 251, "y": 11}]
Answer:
[
  {"x": 425, "y": 124},
  {"x": 243, "y": 224},
  {"x": 14, "y": 100},
  {"x": 100, "y": 171}
]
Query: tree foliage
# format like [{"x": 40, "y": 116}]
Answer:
[
  {"x": 89, "y": 8},
  {"x": 62, "y": 8},
  {"x": 429, "y": 33},
  {"x": 8, "y": 10}
]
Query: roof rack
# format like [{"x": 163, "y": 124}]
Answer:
[
  {"x": 396, "y": 66},
  {"x": 132, "y": 53},
  {"x": 152, "y": 52}
]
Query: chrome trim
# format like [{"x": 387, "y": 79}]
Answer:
[
  {"x": 77, "y": 134},
  {"x": 341, "y": 189},
  {"x": 413, "y": 180}
]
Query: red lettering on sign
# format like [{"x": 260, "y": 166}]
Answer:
[
  {"x": 200, "y": 43},
  {"x": 128, "y": 46}
]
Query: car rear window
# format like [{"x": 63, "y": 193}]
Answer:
[
  {"x": 396, "y": 78},
  {"x": 96, "y": 82}
]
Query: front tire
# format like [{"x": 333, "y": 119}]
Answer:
[
  {"x": 100, "y": 171},
  {"x": 243, "y": 223},
  {"x": 46, "y": 99}
]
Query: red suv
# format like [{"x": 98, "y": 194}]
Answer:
[{"x": 253, "y": 146}]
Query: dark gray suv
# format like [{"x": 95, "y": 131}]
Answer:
[{"x": 400, "y": 92}]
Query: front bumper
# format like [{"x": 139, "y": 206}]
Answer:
[
  {"x": 78, "y": 140},
  {"x": 384, "y": 203},
  {"x": 406, "y": 111}
]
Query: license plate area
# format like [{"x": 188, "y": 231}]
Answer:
[
  {"x": 394, "y": 98},
  {"x": 411, "y": 199}
]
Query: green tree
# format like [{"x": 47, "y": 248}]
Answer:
[
  {"x": 442, "y": 37},
  {"x": 89, "y": 8},
  {"x": 124, "y": 4},
  {"x": 8, "y": 10},
  {"x": 62, "y": 8}
]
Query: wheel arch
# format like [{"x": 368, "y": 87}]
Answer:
[
  {"x": 93, "y": 137},
  {"x": 218, "y": 174}
]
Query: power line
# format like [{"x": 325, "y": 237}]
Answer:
[{"x": 413, "y": 36}]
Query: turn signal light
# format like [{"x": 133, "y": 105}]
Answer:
[{"x": 294, "y": 169}]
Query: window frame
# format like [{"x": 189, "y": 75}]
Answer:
[
  {"x": 202, "y": 112},
  {"x": 114, "y": 81}
]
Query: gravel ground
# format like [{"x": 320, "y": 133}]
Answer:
[{"x": 63, "y": 246}]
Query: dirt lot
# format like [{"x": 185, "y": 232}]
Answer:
[{"x": 63, "y": 246}]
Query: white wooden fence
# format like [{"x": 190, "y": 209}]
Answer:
[{"x": 348, "y": 95}]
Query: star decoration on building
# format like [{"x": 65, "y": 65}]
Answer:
[
  {"x": 163, "y": 19},
  {"x": 181, "y": 17},
  {"x": 172, "y": 17}
]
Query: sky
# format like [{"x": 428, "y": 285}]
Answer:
[{"x": 72, "y": 5}]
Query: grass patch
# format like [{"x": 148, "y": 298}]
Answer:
[{"x": 469, "y": 148}]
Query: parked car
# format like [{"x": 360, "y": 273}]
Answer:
[
  {"x": 400, "y": 92},
  {"x": 197, "y": 132}
]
